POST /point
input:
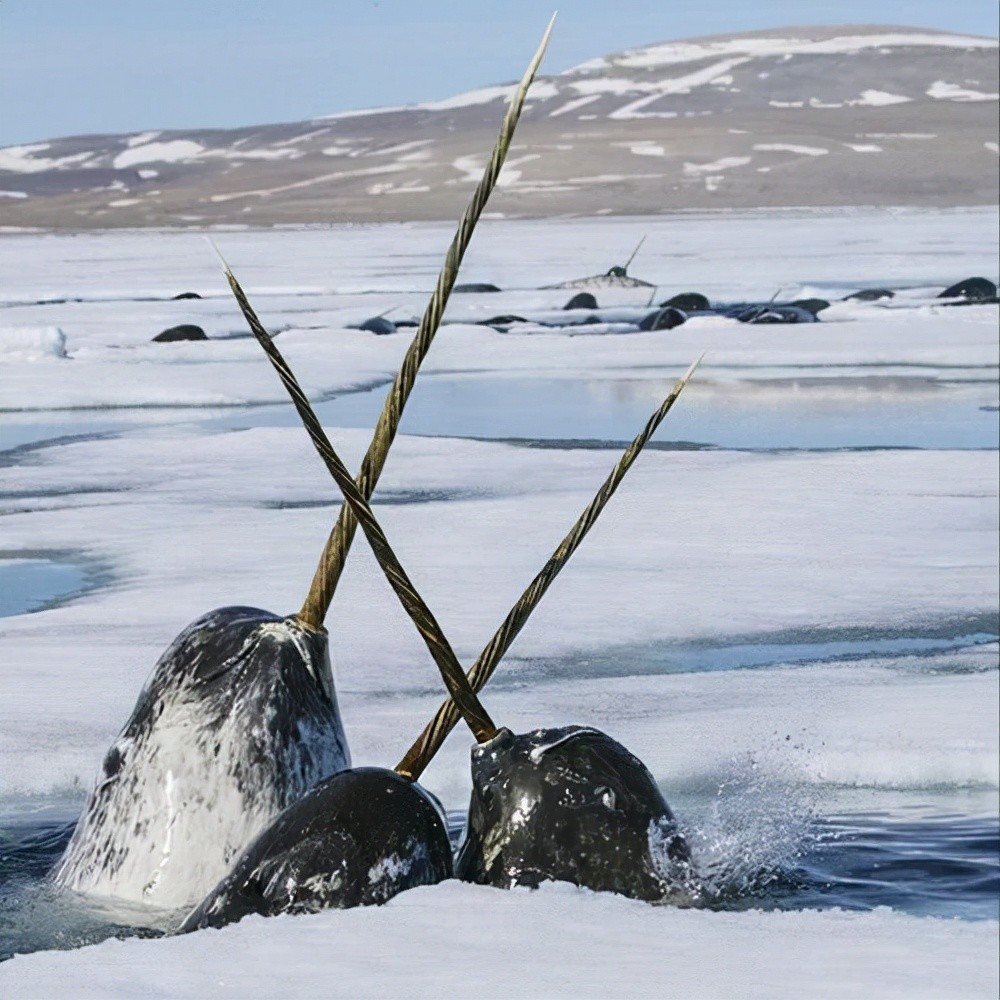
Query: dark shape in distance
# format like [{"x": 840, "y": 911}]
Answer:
[
  {"x": 689, "y": 302},
  {"x": 377, "y": 324},
  {"x": 504, "y": 320},
  {"x": 582, "y": 300},
  {"x": 476, "y": 286},
  {"x": 186, "y": 331},
  {"x": 572, "y": 805},
  {"x": 974, "y": 289},
  {"x": 662, "y": 319},
  {"x": 765, "y": 314},
  {"x": 871, "y": 294},
  {"x": 356, "y": 839},
  {"x": 185, "y": 295},
  {"x": 814, "y": 306}
]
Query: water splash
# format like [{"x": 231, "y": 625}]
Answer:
[{"x": 748, "y": 844}]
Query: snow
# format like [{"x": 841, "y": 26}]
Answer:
[
  {"x": 279, "y": 153},
  {"x": 784, "y": 147},
  {"x": 31, "y": 343},
  {"x": 879, "y": 98},
  {"x": 454, "y": 939},
  {"x": 387, "y": 168},
  {"x": 361, "y": 112},
  {"x": 171, "y": 151},
  {"x": 13, "y": 194},
  {"x": 575, "y": 104},
  {"x": 673, "y": 53},
  {"x": 141, "y": 138},
  {"x": 22, "y": 159},
  {"x": 942, "y": 91},
  {"x": 607, "y": 85},
  {"x": 718, "y": 558},
  {"x": 484, "y": 95},
  {"x": 726, "y": 163}
]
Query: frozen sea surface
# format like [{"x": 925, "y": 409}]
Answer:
[{"x": 789, "y": 611}]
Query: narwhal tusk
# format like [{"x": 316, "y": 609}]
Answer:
[
  {"x": 638, "y": 247},
  {"x": 427, "y": 744},
  {"x": 331, "y": 563},
  {"x": 454, "y": 677}
]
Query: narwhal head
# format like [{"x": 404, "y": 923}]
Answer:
[
  {"x": 238, "y": 719},
  {"x": 569, "y": 804},
  {"x": 357, "y": 839}
]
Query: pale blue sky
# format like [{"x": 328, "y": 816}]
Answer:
[{"x": 69, "y": 67}]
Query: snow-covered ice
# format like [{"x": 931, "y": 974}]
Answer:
[{"x": 817, "y": 614}]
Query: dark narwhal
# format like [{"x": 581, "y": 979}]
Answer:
[
  {"x": 356, "y": 839},
  {"x": 571, "y": 805},
  {"x": 240, "y": 718}
]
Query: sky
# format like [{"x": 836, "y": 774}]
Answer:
[{"x": 74, "y": 67}]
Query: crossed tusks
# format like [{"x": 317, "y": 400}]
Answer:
[{"x": 464, "y": 701}]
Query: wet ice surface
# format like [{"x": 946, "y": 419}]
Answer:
[{"x": 789, "y": 619}]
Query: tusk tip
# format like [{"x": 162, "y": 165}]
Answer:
[
  {"x": 694, "y": 364},
  {"x": 218, "y": 253}
]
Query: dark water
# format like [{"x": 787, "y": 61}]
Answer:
[
  {"x": 930, "y": 864},
  {"x": 34, "y": 914}
]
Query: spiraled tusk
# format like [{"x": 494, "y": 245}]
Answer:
[
  {"x": 429, "y": 742},
  {"x": 458, "y": 686},
  {"x": 331, "y": 564}
]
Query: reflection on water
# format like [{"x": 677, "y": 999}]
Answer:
[
  {"x": 825, "y": 412},
  {"x": 971, "y": 637},
  {"x": 35, "y": 914},
  {"x": 788, "y": 413}
]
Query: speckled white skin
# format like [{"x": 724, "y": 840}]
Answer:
[{"x": 238, "y": 720}]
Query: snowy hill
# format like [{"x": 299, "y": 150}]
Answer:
[{"x": 800, "y": 116}]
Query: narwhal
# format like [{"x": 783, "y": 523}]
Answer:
[
  {"x": 570, "y": 803},
  {"x": 567, "y": 803},
  {"x": 360, "y": 836},
  {"x": 239, "y": 717}
]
